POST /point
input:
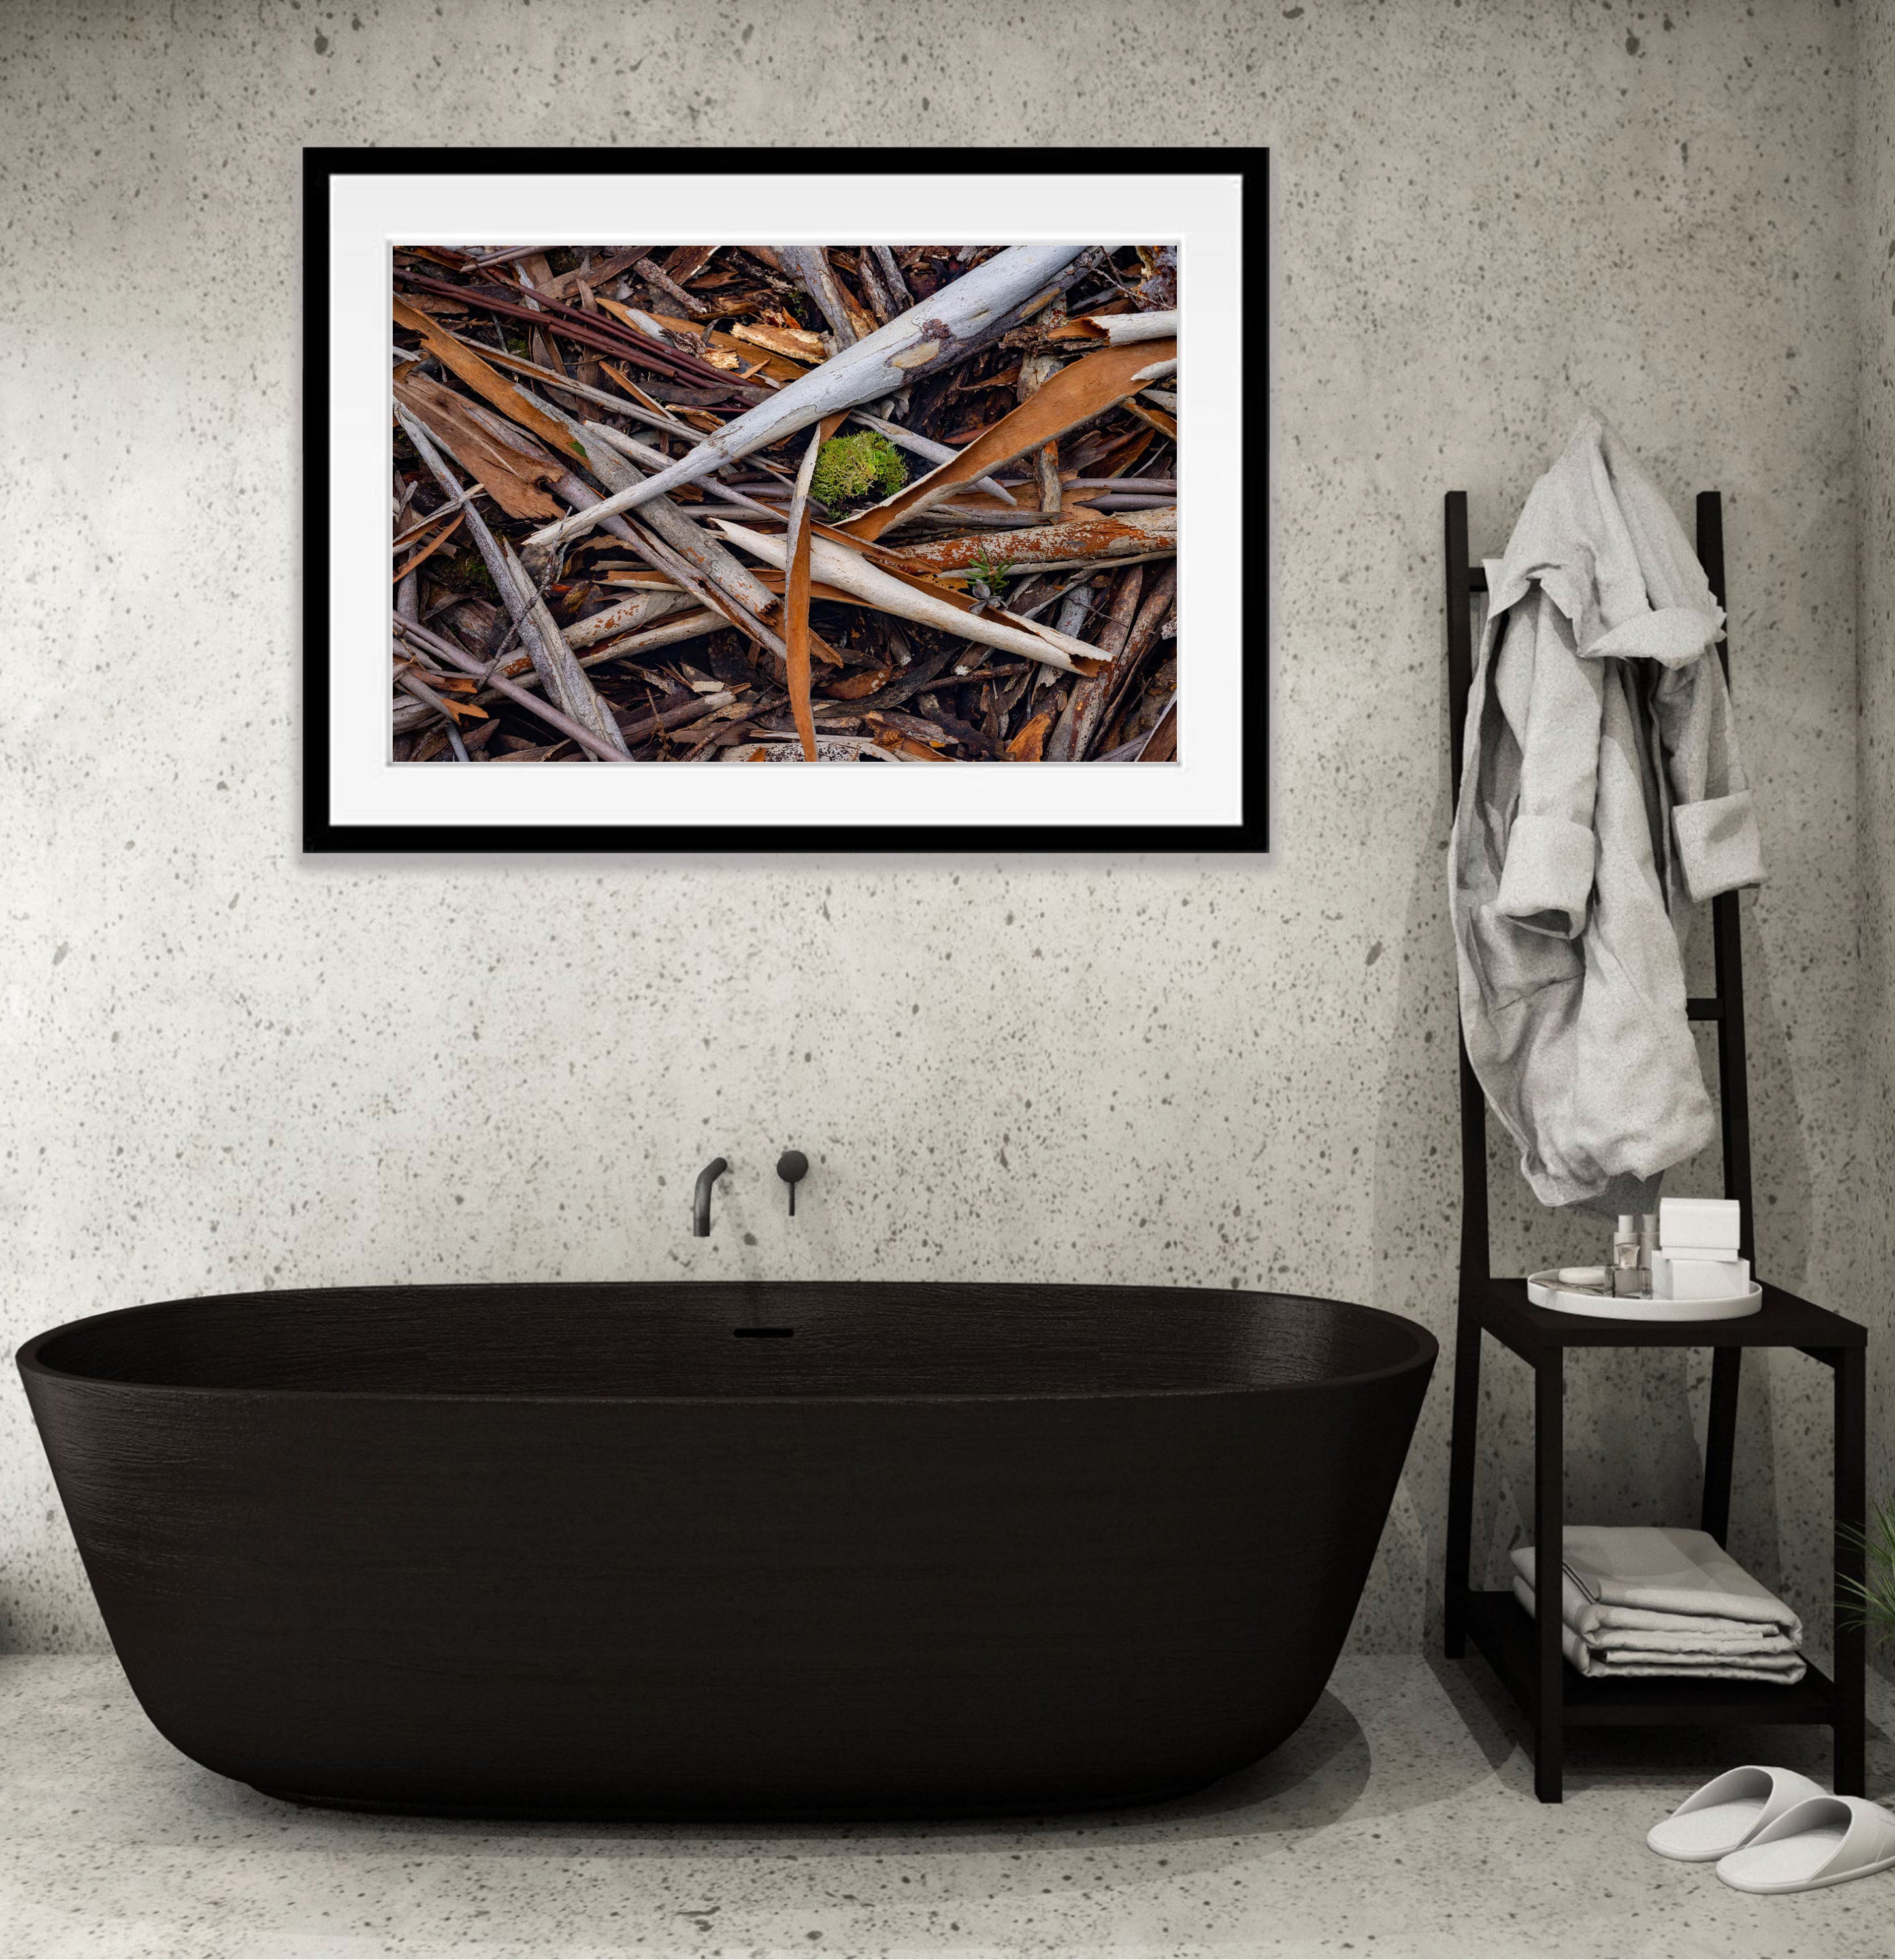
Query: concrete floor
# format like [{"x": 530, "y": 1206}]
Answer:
[{"x": 1400, "y": 1819}]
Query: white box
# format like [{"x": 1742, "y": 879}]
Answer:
[
  {"x": 1699, "y": 1222},
  {"x": 1674, "y": 1278}
]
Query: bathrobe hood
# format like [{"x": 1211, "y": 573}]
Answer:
[
  {"x": 1602, "y": 798},
  {"x": 1598, "y": 538}
]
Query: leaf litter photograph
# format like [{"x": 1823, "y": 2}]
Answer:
[{"x": 883, "y": 503}]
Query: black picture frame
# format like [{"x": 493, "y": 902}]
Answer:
[{"x": 321, "y": 833}]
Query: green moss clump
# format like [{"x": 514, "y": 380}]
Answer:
[
  {"x": 473, "y": 576},
  {"x": 851, "y": 467}
]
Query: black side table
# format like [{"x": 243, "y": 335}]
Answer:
[
  {"x": 1526, "y": 1655},
  {"x": 1524, "y": 1652}
]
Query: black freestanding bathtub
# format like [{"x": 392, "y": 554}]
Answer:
[{"x": 693, "y": 1550}]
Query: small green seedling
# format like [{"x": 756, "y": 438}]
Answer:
[
  {"x": 987, "y": 580},
  {"x": 853, "y": 469}
]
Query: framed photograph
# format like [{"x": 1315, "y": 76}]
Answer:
[{"x": 935, "y": 482}]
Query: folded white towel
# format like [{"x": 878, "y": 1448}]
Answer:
[
  {"x": 1639, "y": 1640},
  {"x": 1617, "y": 1570},
  {"x": 1600, "y": 1626},
  {"x": 1783, "y": 1669}
]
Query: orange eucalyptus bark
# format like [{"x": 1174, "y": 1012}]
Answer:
[{"x": 796, "y": 594}]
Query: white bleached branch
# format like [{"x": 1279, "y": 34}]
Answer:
[
  {"x": 832, "y": 564},
  {"x": 887, "y": 359}
]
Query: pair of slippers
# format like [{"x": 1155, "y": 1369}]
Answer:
[{"x": 1773, "y": 1831}]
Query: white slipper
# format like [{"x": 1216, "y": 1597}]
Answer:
[
  {"x": 1824, "y": 1841},
  {"x": 1728, "y": 1812}
]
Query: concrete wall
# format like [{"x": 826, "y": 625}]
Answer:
[
  {"x": 1873, "y": 1235},
  {"x": 230, "y": 1067}
]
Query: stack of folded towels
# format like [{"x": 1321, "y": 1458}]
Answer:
[{"x": 1646, "y": 1599}]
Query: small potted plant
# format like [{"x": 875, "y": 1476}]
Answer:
[{"x": 1869, "y": 1602}]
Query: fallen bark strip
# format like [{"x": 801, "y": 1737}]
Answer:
[
  {"x": 658, "y": 554},
  {"x": 618, "y": 473},
  {"x": 1118, "y": 329},
  {"x": 1165, "y": 425},
  {"x": 664, "y": 331},
  {"x": 937, "y": 728},
  {"x": 1087, "y": 565},
  {"x": 461, "y": 359},
  {"x": 1029, "y": 745},
  {"x": 517, "y": 482},
  {"x": 909, "y": 750},
  {"x": 617, "y": 403},
  {"x": 609, "y": 267},
  {"x": 442, "y": 703},
  {"x": 1036, "y": 370},
  {"x": 881, "y": 302},
  {"x": 891, "y": 563},
  {"x": 603, "y": 336},
  {"x": 1113, "y": 687},
  {"x": 766, "y": 748},
  {"x": 1074, "y": 728},
  {"x": 686, "y": 261},
  {"x": 505, "y": 255},
  {"x": 778, "y": 582},
  {"x": 625, "y": 617},
  {"x": 1075, "y": 395},
  {"x": 1106, "y": 537},
  {"x": 643, "y": 453},
  {"x": 837, "y": 565},
  {"x": 1168, "y": 484},
  {"x": 531, "y": 622},
  {"x": 700, "y": 707},
  {"x": 777, "y": 354},
  {"x": 654, "y": 274},
  {"x": 552, "y": 659},
  {"x": 810, "y": 265},
  {"x": 564, "y": 680},
  {"x": 661, "y": 558},
  {"x": 468, "y": 664},
  {"x": 693, "y": 626},
  {"x": 898, "y": 287},
  {"x": 796, "y": 589},
  {"x": 578, "y": 495},
  {"x": 1161, "y": 744},
  {"x": 422, "y": 553},
  {"x": 886, "y": 359},
  {"x": 956, "y": 519},
  {"x": 706, "y": 554},
  {"x": 427, "y": 696},
  {"x": 795, "y": 347}
]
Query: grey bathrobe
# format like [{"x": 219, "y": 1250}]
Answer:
[{"x": 1601, "y": 797}]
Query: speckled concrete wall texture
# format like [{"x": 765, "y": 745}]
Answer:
[
  {"x": 230, "y": 1067},
  {"x": 1874, "y": 1238}
]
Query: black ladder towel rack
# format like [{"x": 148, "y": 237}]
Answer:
[{"x": 1527, "y": 1655}]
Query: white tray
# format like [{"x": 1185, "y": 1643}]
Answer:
[{"x": 1544, "y": 1289}]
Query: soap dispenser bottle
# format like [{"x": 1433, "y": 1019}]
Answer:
[{"x": 1630, "y": 1280}]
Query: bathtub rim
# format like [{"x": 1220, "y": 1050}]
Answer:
[{"x": 1425, "y": 1352}]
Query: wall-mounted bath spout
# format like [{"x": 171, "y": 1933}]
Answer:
[
  {"x": 701, "y": 1203},
  {"x": 792, "y": 1167}
]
